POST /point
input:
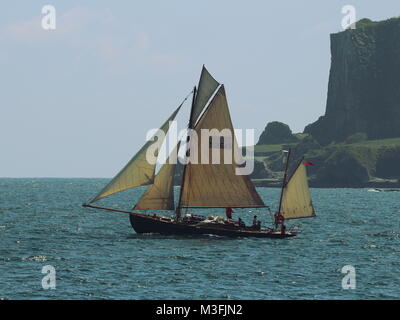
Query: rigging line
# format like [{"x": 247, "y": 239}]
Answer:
[
  {"x": 190, "y": 126},
  {"x": 189, "y": 187},
  {"x": 205, "y": 108},
  {"x": 184, "y": 135},
  {"x": 284, "y": 182},
  {"x": 270, "y": 213},
  {"x": 196, "y": 122},
  {"x": 184, "y": 100}
]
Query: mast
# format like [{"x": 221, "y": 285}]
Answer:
[
  {"x": 284, "y": 180},
  {"x": 190, "y": 126}
]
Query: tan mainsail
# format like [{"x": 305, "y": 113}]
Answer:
[
  {"x": 160, "y": 195},
  {"x": 217, "y": 185},
  {"x": 296, "y": 200},
  {"x": 138, "y": 171},
  {"x": 206, "y": 88}
]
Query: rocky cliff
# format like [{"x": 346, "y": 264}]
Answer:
[
  {"x": 364, "y": 84},
  {"x": 276, "y": 132}
]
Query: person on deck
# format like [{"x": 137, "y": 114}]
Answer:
[
  {"x": 283, "y": 229},
  {"x": 241, "y": 223},
  {"x": 256, "y": 223},
  {"x": 229, "y": 212},
  {"x": 279, "y": 220}
]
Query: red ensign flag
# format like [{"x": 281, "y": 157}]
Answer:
[{"x": 306, "y": 163}]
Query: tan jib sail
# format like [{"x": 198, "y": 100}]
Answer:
[
  {"x": 138, "y": 171},
  {"x": 296, "y": 199},
  {"x": 206, "y": 88},
  {"x": 160, "y": 195},
  {"x": 216, "y": 185}
]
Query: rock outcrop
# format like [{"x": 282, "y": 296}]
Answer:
[
  {"x": 364, "y": 84},
  {"x": 277, "y": 133}
]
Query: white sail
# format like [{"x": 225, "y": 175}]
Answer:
[
  {"x": 160, "y": 195},
  {"x": 296, "y": 199},
  {"x": 138, "y": 171},
  {"x": 217, "y": 184}
]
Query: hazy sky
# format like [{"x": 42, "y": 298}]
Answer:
[{"x": 77, "y": 101}]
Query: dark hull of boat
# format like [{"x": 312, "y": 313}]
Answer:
[{"x": 142, "y": 223}]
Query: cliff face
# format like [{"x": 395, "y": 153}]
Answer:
[{"x": 364, "y": 84}]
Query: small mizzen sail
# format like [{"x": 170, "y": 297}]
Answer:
[
  {"x": 216, "y": 184},
  {"x": 138, "y": 171},
  {"x": 206, "y": 88},
  {"x": 296, "y": 198},
  {"x": 160, "y": 195}
]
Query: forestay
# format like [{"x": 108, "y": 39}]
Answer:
[
  {"x": 138, "y": 171},
  {"x": 160, "y": 195}
]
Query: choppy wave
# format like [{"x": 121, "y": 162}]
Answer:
[{"x": 97, "y": 255}]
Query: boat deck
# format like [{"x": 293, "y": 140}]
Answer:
[{"x": 143, "y": 223}]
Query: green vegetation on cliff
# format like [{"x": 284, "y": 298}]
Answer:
[
  {"x": 357, "y": 142},
  {"x": 275, "y": 133},
  {"x": 359, "y": 164}
]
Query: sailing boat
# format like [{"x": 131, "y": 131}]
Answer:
[{"x": 206, "y": 185}]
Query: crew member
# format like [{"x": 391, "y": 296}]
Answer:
[
  {"x": 229, "y": 212},
  {"x": 283, "y": 229},
  {"x": 279, "y": 220},
  {"x": 256, "y": 223}
]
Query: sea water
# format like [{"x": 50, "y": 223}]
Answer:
[{"x": 97, "y": 255}]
